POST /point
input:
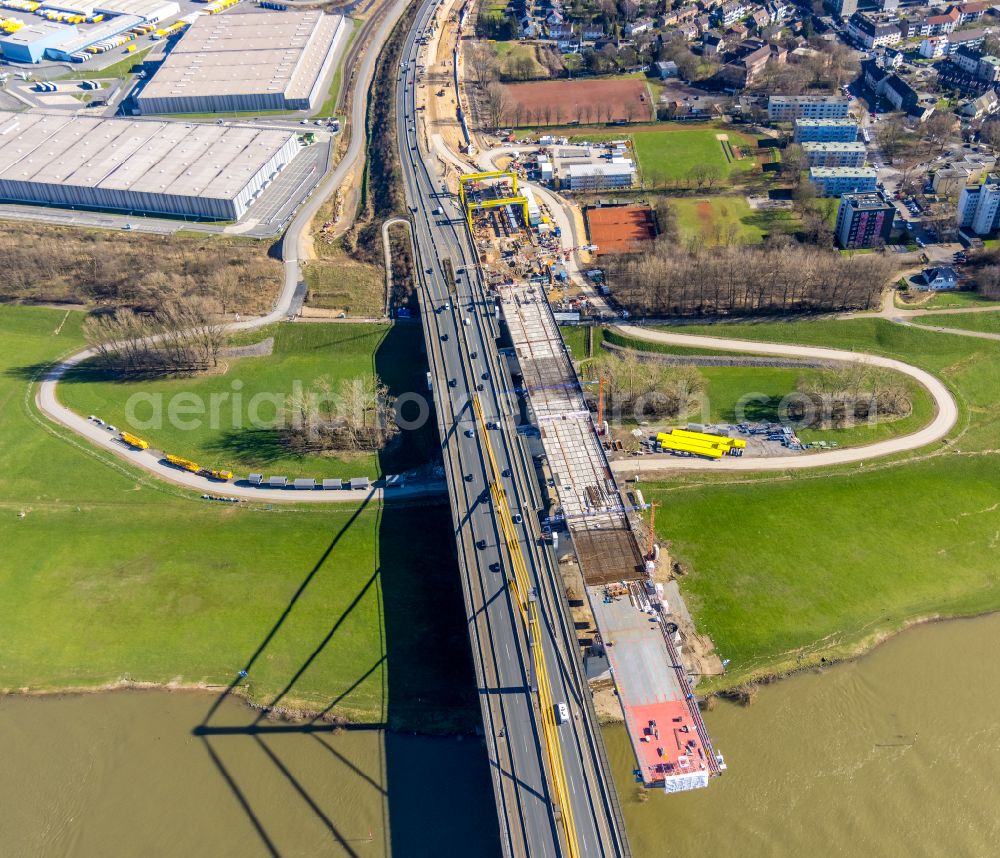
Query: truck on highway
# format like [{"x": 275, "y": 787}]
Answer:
[{"x": 562, "y": 713}]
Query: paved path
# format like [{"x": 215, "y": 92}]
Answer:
[
  {"x": 291, "y": 249},
  {"x": 946, "y": 410}
]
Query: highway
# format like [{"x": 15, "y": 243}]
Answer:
[{"x": 461, "y": 333}]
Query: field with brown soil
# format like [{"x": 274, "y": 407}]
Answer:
[
  {"x": 556, "y": 102},
  {"x": 620, "y": 229}
]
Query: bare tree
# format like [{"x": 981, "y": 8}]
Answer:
[
  {"x": 483, "y": 62},
  {"x": 498, "y": 103}
]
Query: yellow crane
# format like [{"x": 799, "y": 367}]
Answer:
[{"x": 521, "y": 585}]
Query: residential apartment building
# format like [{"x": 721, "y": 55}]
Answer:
[
  {"x": 731, "y": 12},
  {"x": 825, "y": 131},
  {"x": 864, "y": 220},
  {"x": 967, "y": 39},
  {"x": 970, "y": 13},
  {"x": 934, "y": 47},
  {"x": 834, "y": 154},
  {"x": 979, "y": 206},
  {"x": 943, "y": 24},
  {"x": 787, "y": 108},
  {"x": 874, "y": 33},
  {"x": 836, "y": 181},
  {"x": 899, "y": 93},
  {"x": 967, "y": 59},
  {"x": 843, "y": 8},
  {"x": 988, "y": 68}
]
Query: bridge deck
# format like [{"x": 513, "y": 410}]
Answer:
[{"x": 661, "y": 715}]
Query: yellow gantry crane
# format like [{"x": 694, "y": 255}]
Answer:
[
  {"x": 469, "y": 207},
  {"x": 528, "y": 606}
]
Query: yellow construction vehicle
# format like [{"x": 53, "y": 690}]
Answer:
[
  {"x": 184, "y": 464},
  {"x": 222, "y": 476},
  {"x": 134, "y": 441}
]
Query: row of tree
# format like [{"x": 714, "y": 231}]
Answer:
[
  {"x": 181, "y": 336},
  {"x": 779, "y": 277},
  {"x": 848, "y": 395},
  {"x": 639, "y": 388}
]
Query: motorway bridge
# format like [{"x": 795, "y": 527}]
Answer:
[{"x": 553, "y": 787}]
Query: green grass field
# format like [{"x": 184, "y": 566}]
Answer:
[
  {"x": 670, "y": 154},
  {"x": 948, "y": 301},
  {"x": 113, "y": 574},
  {"x": 242, "y": 438},
  {"x": 727, "y": 219},
  {"x": 821, "y": 565},
  {"x": 988, "y": 323}
]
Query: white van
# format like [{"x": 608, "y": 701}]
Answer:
[{"x": 562, "y": 713}]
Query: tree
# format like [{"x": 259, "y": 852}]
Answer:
[
  {"x": 483, "y": 62},
  {"x": 889, "y": 136},
  {"x": 497, "y": 104},
  {"x": 938, "y": 131}
]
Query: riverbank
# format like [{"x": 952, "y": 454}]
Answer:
[
  {"x": 828, "y": 564},
  {"x": 326, "y": 609}
]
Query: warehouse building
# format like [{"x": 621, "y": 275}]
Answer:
[
  {"x": 257, "y": 61},
  {"x": 173, "y": 168},
  {"x": 74, "y": 43},
  {"x": 28, "y": 45},
  {"x": 834, "y": 154}
]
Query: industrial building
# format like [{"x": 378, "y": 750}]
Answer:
[
  {"x": 835, "y": 181},
  {"x": 108, "y": 29},
  {"x": 834, "y": 154},
  {"x": 825, "y": 131},
  {"x": 173, "y": 168},
  {"x": 786, "y": 108},
  {"x": 618, "y": 173},
  {"x": 28, "y": 45},
  {"x": 66, "y": 42},
  {"x": 864, "y": 220},
  {"x": 257, "y": 61}
]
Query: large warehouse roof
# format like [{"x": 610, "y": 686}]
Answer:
[
  {"x": 168, "y": 159},
  {"x": 269, "y": 52}
]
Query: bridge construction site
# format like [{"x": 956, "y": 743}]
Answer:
[{"x": 635, "y": 628}]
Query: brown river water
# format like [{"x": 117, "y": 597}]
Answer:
[{"x": 897, "y": 754}]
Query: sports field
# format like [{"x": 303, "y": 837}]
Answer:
[
  {"x": 557, "y": 102},
  {"x": 620, "y": 229},
  {"x": 118, "y": 575},
  {"x": 670, "y": 154}
]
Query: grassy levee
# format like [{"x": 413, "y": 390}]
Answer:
[
  {"x": 987, "y": 323},
  {"x": 787, "y": 570},
  {"x": 247, "y": 437},
  {"x": 111, "y": 574},
  {"x": 735, "y": 393}
]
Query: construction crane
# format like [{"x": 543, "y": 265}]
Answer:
[{"x": 528, "y": 605}]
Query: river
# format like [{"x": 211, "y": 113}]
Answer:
[
  {"x": 139, "y": 773},
  {"x": 895, "y": 754}
]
